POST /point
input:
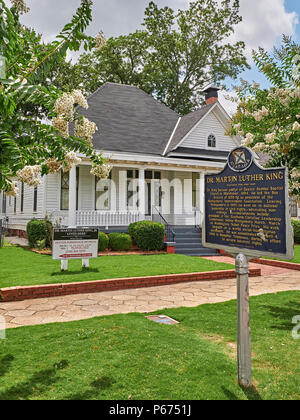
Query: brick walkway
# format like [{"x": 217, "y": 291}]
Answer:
[{"x": 76, "y": 307}]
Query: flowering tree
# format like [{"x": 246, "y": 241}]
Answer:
[
  {"x": 269, "y": 119},
  {"x": 30, "y": 147}
]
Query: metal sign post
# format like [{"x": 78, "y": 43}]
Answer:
[
  {"x": 243, "y": 321},
  {"x": 246, "y": 214}
]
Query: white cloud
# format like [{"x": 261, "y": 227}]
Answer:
[
  {"x": 229, "y": 105},
  {"x": 264, "y": 22}
]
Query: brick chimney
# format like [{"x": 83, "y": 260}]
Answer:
[{"x": 211, "y": 95}]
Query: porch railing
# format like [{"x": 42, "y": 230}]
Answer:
[
  {"x": 106, "y": 219},
  {"x": 158, "y": 217}
]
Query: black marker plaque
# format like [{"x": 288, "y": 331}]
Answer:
[{"x": 246, "y": 208}]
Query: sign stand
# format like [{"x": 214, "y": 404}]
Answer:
[
  {"x": 64, "y": 265},
  {"x": 85, "y": 263},
  {"x": 243, "y": 322}
]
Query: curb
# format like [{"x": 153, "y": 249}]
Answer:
[
  {"x": 12, "y": 294},
  {"x": 275, "y": 263}
]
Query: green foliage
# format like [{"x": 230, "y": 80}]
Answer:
[
  {"x": 120, "y": 241},
  {"x": 173, "y": 57},
  {"x": 148, "y": 235},
  {"x": 269, "y": 118},
  {"x": 103, "y": 241},
  {"x": 39, "y": 233},
  {"x": 27, "y": 94},
  {"x": 296, "y": 227}
]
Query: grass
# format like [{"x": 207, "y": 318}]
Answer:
[
  {"x": 296, "y": 258},
  {"x": 21, "y": 267},
  {"x": 129, "y": 357}
]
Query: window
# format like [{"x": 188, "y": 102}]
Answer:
[
  {"x": 64, "y": 189},
  {"x": 22, "y": 197},
  {"x": 35, "y": 190},
  {"x": 211, "y": 140},
  {"x": 102, "y": 193},
  {"x": 195, "y": 192},
  {"x": 132, "y": 189},
  {"x": 3, "y": 202}
]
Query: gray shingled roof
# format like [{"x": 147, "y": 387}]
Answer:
[
  {"x": 129, "y": 120},
  {"x": 185, "y": 125}
]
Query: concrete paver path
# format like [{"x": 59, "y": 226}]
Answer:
[{"x": 76, "y": 307}]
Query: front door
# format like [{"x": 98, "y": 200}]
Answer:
[{"x": 152, "y": 191}]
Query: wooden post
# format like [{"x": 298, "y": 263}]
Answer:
[{"x": 243, "y": 327}]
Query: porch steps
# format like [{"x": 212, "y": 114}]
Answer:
[{"x": 189, "y": 242}]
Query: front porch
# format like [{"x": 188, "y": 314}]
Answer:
[{"x": 131, "y": 194}]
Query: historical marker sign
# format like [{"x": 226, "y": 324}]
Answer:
[
  {"x": 246, "y": 213},
  {"x": 75, "y": 244},
  {"x": 247, "y": 208}
]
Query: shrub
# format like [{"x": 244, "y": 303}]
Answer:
[
  {"x": 103, "y": 241},
  {"x": 120, "y": 241},
  {"x": 296, "y": 227},
  {"x": 148, "y": 236},
  {"x": 132, "y": 228},
  {"x": 39, "y": 231}
]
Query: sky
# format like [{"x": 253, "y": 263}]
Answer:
[{"x": 264, "y": 22}]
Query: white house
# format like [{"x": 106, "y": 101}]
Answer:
[{"x": 159, "y": 159}]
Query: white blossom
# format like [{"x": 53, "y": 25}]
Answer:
[
  {"x": 70, "y": 160},
  {"x": 101, "y": 171},
  {"x": 53, "y": 165},
  {"x": 79, "y": 98},
  {"x": 61, "y": 125},
  {"x": 20, "y": 6},
  {"x": 100, "y": 41},
  {"x": 64, "y": 106},
  {"x": 296, "y": 126},
  {"x": 248, "y": 140},
  {"x": 30, "y": 175},
  {"x": 12, "y": 189},
  {"x": 270, "y": 137},
  {"x": 85, "y": 129}
]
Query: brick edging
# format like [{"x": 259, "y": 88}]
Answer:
[
  {"x": 275, "y": 263},
  {"x": 11, "y": 294}
]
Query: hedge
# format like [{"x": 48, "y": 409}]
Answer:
[
  {"x": 296, "y": 227},
  {"x": 148, "y": 236},
  {"x": 103, "y": 241},
  {"x": 39, "y": 230},
  {"x": 120, "y": 241}
]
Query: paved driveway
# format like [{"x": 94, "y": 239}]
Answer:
[{"x": 76, "y": 307}]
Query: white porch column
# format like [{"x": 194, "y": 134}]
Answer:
[
  {"x": 201, "y": 195},
  {"x": 142, "y": 192},
  {"x": 188, "y": 193},
  {"x": 72, "y": 197},
  {"x": 122, "y": 190}
]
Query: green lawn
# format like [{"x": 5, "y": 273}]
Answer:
[
  {"x": 21, "y": 267},
  {"x": 128, "y": 356},
  {"x": 296, "y": 258}
]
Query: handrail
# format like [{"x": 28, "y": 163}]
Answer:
[{"x": 170, "y": 233}]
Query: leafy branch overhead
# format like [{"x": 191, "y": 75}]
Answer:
[
  {"x": 173, "y": 57},
  {"x": 269, "y": 119},
  {"x": 31, "y": 147}
]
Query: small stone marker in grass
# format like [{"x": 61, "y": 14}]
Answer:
[
  {"x": 162, "y": 319},
  {"x": 246, "y": 213}
]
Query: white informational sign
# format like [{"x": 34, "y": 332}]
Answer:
[{"x": 71, "y": 244}]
